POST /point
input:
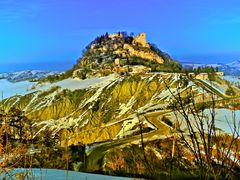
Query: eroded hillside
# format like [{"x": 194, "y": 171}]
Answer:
[{"x": 104, "y": 108}]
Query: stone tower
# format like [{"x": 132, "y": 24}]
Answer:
[{"x": 141, "y": 39}]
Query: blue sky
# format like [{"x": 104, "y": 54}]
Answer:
[{"x": 50, "y": 34}]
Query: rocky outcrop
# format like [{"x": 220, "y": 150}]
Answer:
[
  {"x": 148, "y": 55},
  {"x": 113, "y": 51}
]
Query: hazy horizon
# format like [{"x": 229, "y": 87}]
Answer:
[
  {"x": 65, "y": 65},
  {"x": 47, "y": 66}
]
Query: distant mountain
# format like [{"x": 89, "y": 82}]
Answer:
[
  {"x": 26, "y": 75},
  {"x": 196, "y": 65},
  {"x": 228, "y": 69},
  {"x": 234, "y": 64}
]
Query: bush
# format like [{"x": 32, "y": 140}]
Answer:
[
  {"x": 230, "y": 91},
  {"x": 49, "y": 91}
]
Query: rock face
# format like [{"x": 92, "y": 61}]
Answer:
[{"x": 148, "y": 55}]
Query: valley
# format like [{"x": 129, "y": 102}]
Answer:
[{"x": 125, "y": 104}]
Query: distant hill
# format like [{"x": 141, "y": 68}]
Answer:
[
  {"x": 119, "y": 53},
  {"x": 234, "y": 64},
  {"x": 228, "y": 69},
  {"x": 26, "y": 75}
]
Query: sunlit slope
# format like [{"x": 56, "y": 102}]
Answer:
[{"x": 99, "y": 109}]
